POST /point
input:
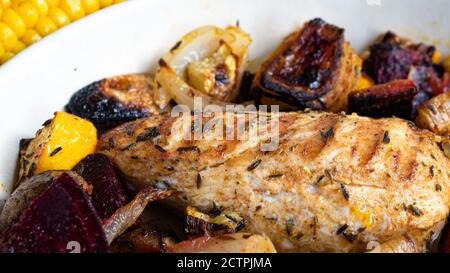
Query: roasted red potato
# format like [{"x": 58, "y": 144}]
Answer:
[{"x": 312, "y": 68}]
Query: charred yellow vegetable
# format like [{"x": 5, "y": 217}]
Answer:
[
  {"x": 207, "y": 63},
  {"x": 364, "y": 82},
  {"x": 60, "y": 145},
  {"x": 434, "y": 114}
]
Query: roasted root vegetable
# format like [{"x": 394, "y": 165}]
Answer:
[
  {"x": 62, "y": 143},
  {"x": 384, "y": 100},
  {"x": 208, "y": 62},
  {"x": 54, "y": 220},
  {"x": 434, "y": 114},
  {"x": 108, "y": 192},
  {"x": 228, "y": 243},
  {"x": 30, "y": 189},
  {"x": 113, "y": 101},
  {"x": 201, "y": 224},
  {"x": 312, "y": 68},
  {"x": 392, "y": 57}
]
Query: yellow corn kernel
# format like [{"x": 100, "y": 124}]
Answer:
[
  {"x": 2, "y": 50},
  {"x": 19, "y": 47},
  {"x": 6, "y": 3},
  {"x": 7, "y": 37},
  {"x": 73, "y": 8},
  {"x": 29, "y": 14},
  {"x": 53, "y": 3},
  {"x": 436, "y": 57},
  {"x": 105, "y": 3},
  {"x": 30, "y": 37},
  {"x": 364, "y": 82},
  {"x": 59, "y": 17},
  {"x": 1, "y": 11},
  {"x": 13, "y": 20},
  {"x": 90, "y": 6},
  {"x": 69, "y": 140},
  {"x": 45, "y": 26},
  {"x": 6, "y": 57},
  {"x": 41, "y": 6},
  {"x": 118, "y": 1}
]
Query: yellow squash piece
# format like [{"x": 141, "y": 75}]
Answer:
[{"x": 60, "y": 145}]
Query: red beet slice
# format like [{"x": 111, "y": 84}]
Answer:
[
  {"x": 108, "y": 192},
  {"x": 61, "y": 217}
]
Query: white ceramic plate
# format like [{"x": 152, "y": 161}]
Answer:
[{"x": 130, "y": 37}]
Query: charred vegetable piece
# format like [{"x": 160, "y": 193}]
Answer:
[
  {"x": 207, "y": 62},
  {"x": 434, "y": 114},
  {"x": 384, "y": 100},
  {"x": 144, "y": 240},
  {"x": 228, "y": 243},
  {"x": 313, "y": 68},
  {"x": 61, "y": 215},
  {"x": 201, "y": 224},
  {"x": 108, "y": 192},
  {"x": 60, "y": 145},
  {"x": 28, "y": 190},
  {"x": 127, "y": 215},
  {"x": 393, "y": 57},
  {"x": 113, "y": 101}
]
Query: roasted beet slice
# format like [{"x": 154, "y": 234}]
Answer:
[
  {"x": 393, "y": 57},
  {"x": 312, "y": 68},
  {"x": 62, "y": 216},
  {"x": 384, "y": 100},
  {"x": 113, "y": 101},
  {"x": 108, "y": 192}
]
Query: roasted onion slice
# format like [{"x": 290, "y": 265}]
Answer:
[
  {"x": 207, "y": 62},
  {"x": 312, "y": 68},
  {"x": 435, "y": 114}
]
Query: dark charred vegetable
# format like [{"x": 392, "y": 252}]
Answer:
[
  {"x": 393, "y": 57},
  {"x": 384, "y": 100},
  {"x": 201, "y": 224},
  {"x": 110, "y": 102},
  {"x": 61, "y": 215},
  {"x": 313, "y": 68},
  {"x": 144, "y": 240},
  {"x": 108, "y": 192}
]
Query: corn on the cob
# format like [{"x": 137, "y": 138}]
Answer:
[{"x": 24, "y": 22}]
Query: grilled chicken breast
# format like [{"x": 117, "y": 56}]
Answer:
[{"x": 335, "y": 183}]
